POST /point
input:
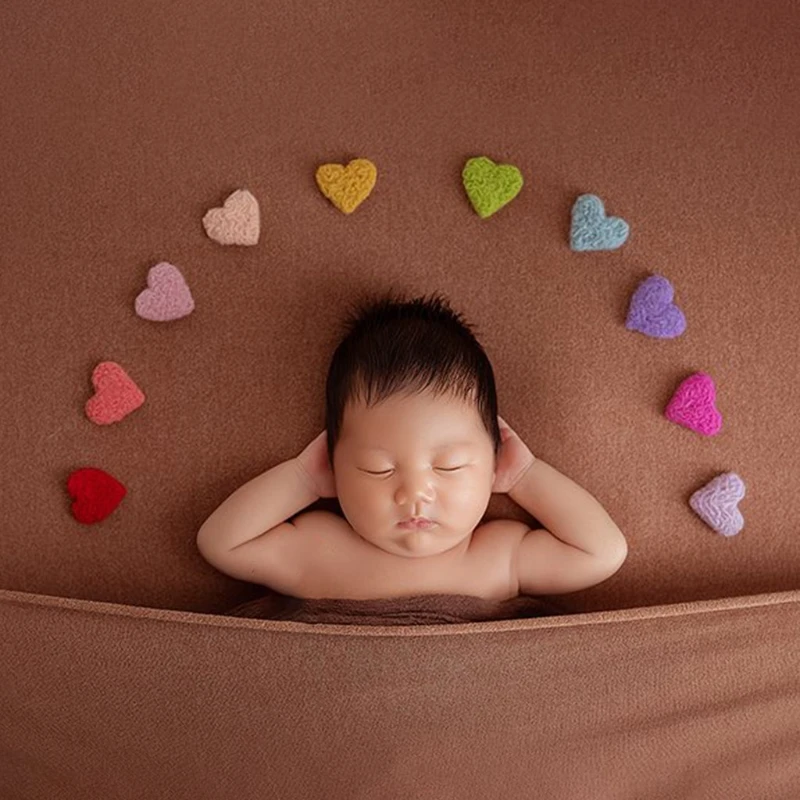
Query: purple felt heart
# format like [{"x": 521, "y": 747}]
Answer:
[
  {"x": 652, "y": 311},
  {"x": 716, "y": 503},
  {"x": 167, "y": 296}
]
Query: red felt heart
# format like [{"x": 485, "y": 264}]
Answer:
[{"x": 96, "y": 494}]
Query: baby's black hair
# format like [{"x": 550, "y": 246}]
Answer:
[{"x": 396, "y": 346}]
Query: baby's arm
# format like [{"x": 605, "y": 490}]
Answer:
[
  {"x": 582, "y": 545},
  {"x": 253, "y": 510}
]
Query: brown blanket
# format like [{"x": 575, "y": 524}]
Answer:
[{"x": 416, "y": 610}]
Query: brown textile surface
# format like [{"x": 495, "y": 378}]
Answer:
[
  {"x": 120, "y": 130},
  {"x": 693, "y": 701},
  {"x": 416, "y": 610},
  {"x": 121, "y": 675}
]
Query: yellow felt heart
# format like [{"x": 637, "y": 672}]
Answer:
[{"x": 347, "y": 187}]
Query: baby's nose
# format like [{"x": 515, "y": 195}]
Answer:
[{"x": 414, "y": 488}]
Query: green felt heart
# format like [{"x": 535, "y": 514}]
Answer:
[{"x": 490, "y": 186}]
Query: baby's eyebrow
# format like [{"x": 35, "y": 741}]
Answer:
[{"x": 441, "y": 447}]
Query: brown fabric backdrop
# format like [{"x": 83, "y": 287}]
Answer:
[{"x": 122, "y": 123}]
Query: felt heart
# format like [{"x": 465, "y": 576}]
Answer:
[
  {"x": 652, "y": 311},
  {"x": 692, "y": 405},
  {"x": 716, "y": 503},
  {"x": 237, "y": 222},
  {"x": 167, "y": 298},
  {"x": 96, "y": 494},
  {"x": 591, "y": 229},
  {"x": 490, "y": 186},
  {"x": 116, "y": 395},
  {"x": 347, "y": 187}
]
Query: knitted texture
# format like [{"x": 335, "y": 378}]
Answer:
[
  {"x": 347, "y": 187},
  {"x": 692, "y": 405},
  {"x": 591, "y": 229},
  {"x": 95, "y": 493},
  {"x": 652, "y": 311},
  {"x": 490, "y": 186},
  {"x": 716, "y": 503},
  {"x": 167, "y": 296},
  {"x": 116, "y": 395},
  {"x": 237, "y": 222}
]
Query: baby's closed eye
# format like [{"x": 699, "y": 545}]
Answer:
[{"x": 387, "y": 471}]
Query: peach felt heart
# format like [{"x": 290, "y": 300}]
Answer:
[
  {"x": 692, "y": 405},
  {"x": 347, "y": 187},
  {"x": 237, "y": 222},
  {"x": 167, "y": 296},
  {"x": 96, "y": 494},
  {"x": 116, "y": 395}
]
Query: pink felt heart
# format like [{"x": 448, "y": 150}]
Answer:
[
  {"x": 237, "y": 222},
  {"x": 716, "y": 503},
  {"x": 116, "y": 395},
  {"x": 167, "y": 296},
  {"x": 96, "y": 494},
  {"x": 692, "y": 405}
]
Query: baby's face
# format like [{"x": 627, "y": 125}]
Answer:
[{"x": 414, "y": 456}]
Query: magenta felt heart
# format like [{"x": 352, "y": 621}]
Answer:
[
  {"x": 716, "y": 503},
  {"x": 692, "y": 405},
  {"x": 167, "y": 296}
]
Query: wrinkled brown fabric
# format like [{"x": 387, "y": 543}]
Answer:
[{"x": 416, "y": 610}]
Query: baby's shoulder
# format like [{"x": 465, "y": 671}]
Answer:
[{"x": 495, "y": 546}]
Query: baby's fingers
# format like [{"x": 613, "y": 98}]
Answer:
[{"x": 505, "y": 429}]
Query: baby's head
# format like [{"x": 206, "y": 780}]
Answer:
[{"x": 411, "y": 417}]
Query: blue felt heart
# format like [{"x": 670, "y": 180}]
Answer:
[{"x": 592, "y": 229}]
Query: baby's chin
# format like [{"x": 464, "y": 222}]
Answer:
[{"x": 420, "y": 544}]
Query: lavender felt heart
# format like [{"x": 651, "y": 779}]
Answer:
[
  {"x": 652, "y": 311},
  {"x": 716, "y": 503},
  {"x": 167, "y": 296},
  {"x": 591, "y": 229}
]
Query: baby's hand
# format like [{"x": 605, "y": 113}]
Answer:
[
  {"x": 513, "y": 460},
  {"x": 316, "y": 464}
]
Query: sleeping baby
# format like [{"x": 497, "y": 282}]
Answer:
[{"x": 413, "y": 449}]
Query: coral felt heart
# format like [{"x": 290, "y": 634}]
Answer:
[
  {"x": 692, "y": 405},
  {"x": 237, "y": 222},
  {"x": 116, "y": 395},
  {"x": 347, "y": 187},
  {"x": 717, "y": 503},
  {"x": 490, "y": 186},
  {"x": 167, "y": 296},
  {"x": 96, "y": 494}
]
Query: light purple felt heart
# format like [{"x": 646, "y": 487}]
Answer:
[
  {"x": 167, "y": 296},
  {"x": 716, "y": 503},
  {"x": 652, "y": 311}
]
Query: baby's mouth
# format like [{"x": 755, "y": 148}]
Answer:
[{"x": 416, "y": 524}]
